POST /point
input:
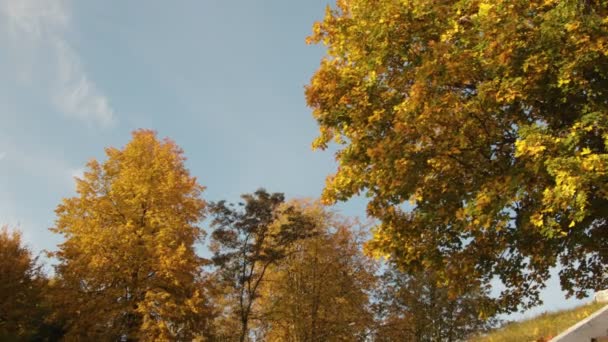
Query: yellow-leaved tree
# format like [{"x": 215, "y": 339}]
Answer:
[
  {"x": 491, "y": 119},
  {"x": 128, "y": 268},
  {"x": 319, "y": 291},
  {"x": 21, "y": 289}
]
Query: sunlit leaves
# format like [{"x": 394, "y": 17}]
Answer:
[
  {"x": 247, "y": 240},
  {"x": 128, "y": 267},
  {"x": 319, "y": 291},
  {"x": 488, "y": 117}
]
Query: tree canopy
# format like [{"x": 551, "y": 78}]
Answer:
[
  {"x": 22, "y": 286},
  {"x": 413, "y": 307},
  {"x": 320, "y": 290},
  {"x": 478, "y": 130},
  {"x": 128, "y": 268},
  {"x": 248, "y": 239}
]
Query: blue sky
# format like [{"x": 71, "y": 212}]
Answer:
[{"x": 224, "y": 79}]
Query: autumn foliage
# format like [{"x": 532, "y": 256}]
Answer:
[
  {"x": 247, "y": 242},
  {"x": 321, "y": 290},
  {"x": 479, "y": 131},
  {"x": 22, "y": 286},
  {"x": 128, "y": 268}
]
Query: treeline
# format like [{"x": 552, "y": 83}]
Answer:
[
  {"x": 130, "y": 267},
  {"x": 489, "y": 117}
]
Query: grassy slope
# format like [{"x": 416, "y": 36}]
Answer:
[{"x": 541, "y": 328}]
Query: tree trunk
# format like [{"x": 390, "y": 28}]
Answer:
[{"x": 244, "y": 330}]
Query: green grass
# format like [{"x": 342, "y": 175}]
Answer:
[{"x": 542, "y": 327}]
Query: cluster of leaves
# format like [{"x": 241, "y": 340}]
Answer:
[
  {"x": 490, "y": 118},
  {"x": 23, "y": 293}
]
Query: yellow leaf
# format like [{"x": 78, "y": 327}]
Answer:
[{"x": 484, "y": 9}]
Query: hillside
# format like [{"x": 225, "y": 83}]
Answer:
[{"x": 542, "y": 327}]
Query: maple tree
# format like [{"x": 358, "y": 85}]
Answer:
[
  {"x": 319, "y": 292},
  {"x": 490, "y": 118},
  {"x": 127, "y": 268},
  {"x": 246, "y": 240}
]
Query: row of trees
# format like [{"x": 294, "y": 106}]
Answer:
[
  {"x": 489, "y": 117},
  {"x": 129, "y": 267}
]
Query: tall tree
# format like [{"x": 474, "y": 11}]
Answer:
[
  {"x": 247, "y": 239},
  {"x": 416, "y": 308},
  {"x": 127, "y": 268},
  {"x": 319, "y": 292},
  {"x": 491, "y": 118},
  {"x": 21, "y": 289}
]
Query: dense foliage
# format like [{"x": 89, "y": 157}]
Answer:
[
  {"x": 128, "y": 268},
  {"x": 490, "y": 118},
  {"x": 247, "y": 240},
  {"x": 22, "y": 287},
  {"x": 320, "y": 291}
]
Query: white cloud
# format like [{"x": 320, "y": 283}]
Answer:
[
  {"x": 2, "y": 155},
  {"x": 38, "y": 27},
  {"x": 35, "y": 18},
  {"x": 75, "y": 94}
]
